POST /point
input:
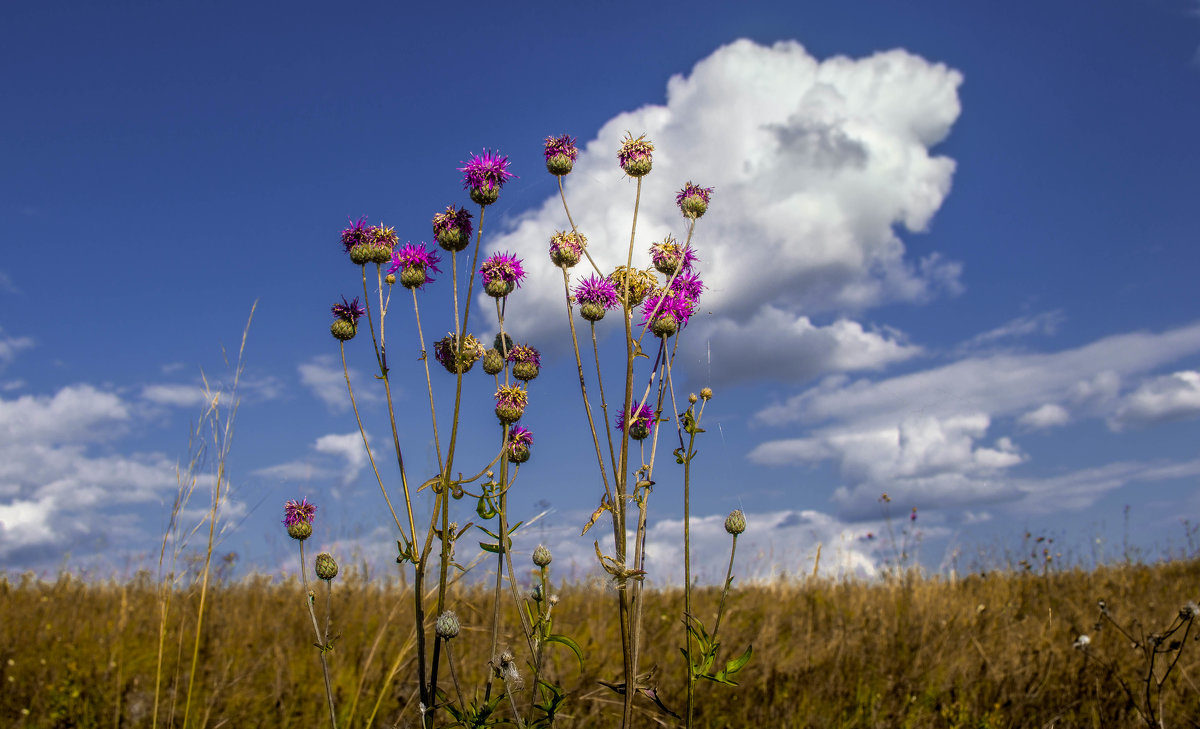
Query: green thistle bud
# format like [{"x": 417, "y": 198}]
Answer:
[
  {"x": 664, "y": 325},
  {"x": 327, "y": 567},
  {"x": 542, "y": 556},
  {"x": 692, "y": 398},
  {"x": 452, "y": 240},
  {"x": 592, "y": 311},
  {"x": 300, "y": 531},
  {"x": 706, "y": 393},
  {"x": 411, "y": 277},
  {"x": 503, "y": 343},
  {"x": 735, "y": 523},
  {"x": 447, "y": 625},
  {"x": 493, "y": 362},
  {"x": 343, "y": 330},
  {"x": 389, "y": 279},
  {"x": 638, "y": 431},
  {"x": 509, "y": 414},
  {"x": 361, "y": 254},
  {"x": 518, "y": 453}
]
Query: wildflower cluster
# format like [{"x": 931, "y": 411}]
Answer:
[
  {"x": 635, "y": 155},
  {"x": 567, "y": 248},
  {"x": 452, "y": 228},
  {"x": 595, "y": 296},
  {"x": 368, "y": 243},
  {"x": 454, "y": 358},
  {"x": 298, "y": 518},
  {"x": 669, "y": 257}
]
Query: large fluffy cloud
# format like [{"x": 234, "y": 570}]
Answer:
[{"x": 815, "y": 164}]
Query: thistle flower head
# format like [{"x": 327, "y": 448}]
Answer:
[
  {"x": 297, "y": 512},
  {"x": 542, "y": 556},
  {"x": 512, "y": 395},
  {"x": 411, "y": 260},
  {"x": 326, "y": 566},
  {"x": 688, "y": 285},
  {"x": 670, "y": 256},
  {"x": 659, "y": 306},
  {"x": 560, "y": 154},
  {"x": 596, "y": 290},
  {"x": 502, "y": 273},
  {"x": 511, "y": 401},
  {"x": 640, "y": 283},
  {"x": 640, "y": 424},
  {"x": 452, "y": 229},
  {"x": 693, "y": 200},
  {"x": 635, "y": 155},
  {"x": 519, "y": 441},
  {"x": 355, "y": 234},
  {"x": 567, "y": 248},
  {"x": 524, "y": 353},
  {"x": 384, "y": 236},
  {"x": 485, "y": 175},
  {"x": 348, "y": 310},
  {"x": 446, "y": 350},
  {"x": 447, "y": 625}
]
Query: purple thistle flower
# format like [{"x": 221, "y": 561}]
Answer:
[
  {"x": 662, "y": 304},
  {"x": 643, "y": 416},
  {"x": 502, "y": 267},
  {"x": 356, "y": 233},
  {"x": 520, "y": 435},
  {"x": 688, "y": 285},
  {"x": 451, "y": 220},
  {"x": 669, "y": 256},
  {"x": 298, "y": 512},
  {"x": 413, "y": 256},
  {"x": 596, "y": 290},
  {"x": 525, "y": 353},
  {"x": 348, "y": 310},
  {"x": 383, "y": 236},
  {"x": 564, "y": 145},
  {"x": 512, "y": 395},
  {"x": 484, "y": 176},
  {"x": 693, "y": 200},
  {"x": 634, "y": 155}
]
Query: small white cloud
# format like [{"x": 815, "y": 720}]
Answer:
[
  {"x": 1162, "y": 399},
  {"x": 1046, "y": 416},
  {"x": 324, "y": 376},
  {"x": 348, "y": 446},
  {"x": 72, "y": 413},
  {"x": 1046, "y": 323},
  {"x": 175, "y": 395},
  {"x": 10, "y": 347}
]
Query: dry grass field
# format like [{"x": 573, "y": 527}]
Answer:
[{"x": 995, "y": 650}]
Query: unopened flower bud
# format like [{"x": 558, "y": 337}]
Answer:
[
  {"x": 343, "y": 330},
  {"x": 706, "y": 393},
  {"x": 493, "y": 362},
  {"x": 692, "y": 398},
  {"x": 327, "y": 567},
  {"x": 503, "y": 343},
  {"x": 389, "y": 279},
  {"x": 735, "y": 523},
  {"x": 541, "y": 556},
  {"x": 447, "y": 625}
]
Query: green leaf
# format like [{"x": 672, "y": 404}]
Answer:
[
  {"x": 493, "y": 548},
  {"x": 484, "y": 509},
  {"x": 564, "y": 640},
  {"x": 736, "y": 664}
]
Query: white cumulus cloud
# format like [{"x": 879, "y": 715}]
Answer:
[
  {"x": 815, "y": 165},
  {"x": 1162, "y": 399}
]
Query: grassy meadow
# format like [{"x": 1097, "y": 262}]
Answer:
[{"x": 994, "y": 650}]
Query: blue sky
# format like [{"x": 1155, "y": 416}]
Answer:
[{"x": 950, "y": 257}]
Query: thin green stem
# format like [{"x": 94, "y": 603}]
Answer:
[
  {"x": 362, "y": 432},
  {"x": 428, "y": 380},
  {"x": 322, "y": 642},
  {"x": 587, "y": 407}
]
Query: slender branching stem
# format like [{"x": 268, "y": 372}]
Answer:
[
  {"x": 428, "y": 380},
  {"x": 587, "y": 407},
  {"x": 322, "y": 641},
  {"x": 571, "y": 220},
  {"x": 370, "y": 456}
]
